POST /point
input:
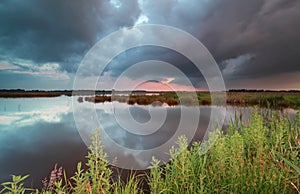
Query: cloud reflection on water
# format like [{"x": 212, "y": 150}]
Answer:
[{"x": 37, "y": 133}]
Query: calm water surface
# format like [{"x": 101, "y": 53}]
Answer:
[{"x": 36, "y": 133}]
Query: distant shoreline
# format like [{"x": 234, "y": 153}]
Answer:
[
  {"x": 261, "y": 98},
  {"x": 56, "y": 93}
]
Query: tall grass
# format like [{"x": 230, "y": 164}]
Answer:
[{"x": 260, "y": 155}]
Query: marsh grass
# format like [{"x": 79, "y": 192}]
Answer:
[
  {"x": 274, "y": 100},
  {"x": 260, "y": 155}
]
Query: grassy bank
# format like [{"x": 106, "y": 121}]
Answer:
[
  {"x": 260, "y": 155},
  {"x": 265, "y": 99},
  {"x": 273, "y": 99}
]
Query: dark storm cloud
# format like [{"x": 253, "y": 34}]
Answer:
[
  {"x": 267, "y": 30},
  {"x": 248, "y": 39},
  {"x": 125, "y": 60},
  {"x": 138, "y": 54},
  {"x": 59, "y": 31}
]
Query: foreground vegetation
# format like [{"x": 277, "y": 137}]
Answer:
[{"x": 260, "y": 155}]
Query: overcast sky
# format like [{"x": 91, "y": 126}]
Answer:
[{"x": 255, "y": 43}]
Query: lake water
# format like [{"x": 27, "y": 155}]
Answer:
[{"x": 36, "y": 133}]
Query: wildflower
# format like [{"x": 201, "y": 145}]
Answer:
[
  {"x": 261, "y": 161},
  {"x": 45, "y": 183},
  {"x": 56, "y": 175},
  {"x": 88, "y": 187}
]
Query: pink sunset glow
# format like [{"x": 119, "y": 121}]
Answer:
[{"x": 159, "y": 86}]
